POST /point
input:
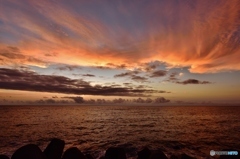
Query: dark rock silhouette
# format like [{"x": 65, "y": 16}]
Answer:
[
  {"x": 73, "y": 153},
  {"x": 157, "y": 155},
  {"x": 177, "y": 147},
  {"x": 144, "y": 153},
  {"x": 29, "y": 151},
  {"x": 54, "y": 149},
  {"x": 174, "y": 157},
  {"x": 115, "y": 153},
  {"x": 185, "y": 156},
  {"x": 4, "y": 157},
  {"x": 88, "y": 156}
]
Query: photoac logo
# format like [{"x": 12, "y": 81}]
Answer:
[{"x": 212, "y": 152}]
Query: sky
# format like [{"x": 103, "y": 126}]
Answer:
[{"x": 121, "y": 51}]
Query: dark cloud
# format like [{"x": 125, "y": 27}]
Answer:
[
  {"x": 127, "y": 84},
  {"x": 163, "y": 92},
  {"x": 90, "y": 101},
  {"x": 132, "y": 75},
  {"x": 115, "y": 85},
  {"x": 139, "y": 100},
  {"x": 30, "y": 81},
  {"x": 68, "y": 67},
  {"x": 161, "y": 100},
  {"x": 149, "y": 100},
  {"x": 47, "y": 101},
  {"x": 173, "y": 77},
  {"x": 122, "y": 74},
  {"x": 129, "y": 73},
  {"x": 77, "y": 99},
  {"x": 193, "y": 81},
  {"x": 142, "y": 86},
  {"x": 101, "y": 101},
  {"x": 151, "y": 66},
  {"x": 23, "y": 68},
  {"x": 119, "y": 100},
  {"x": 158, "y": 73},
  {"x": 102, "y": 67},
  {"x": 139, "y": 78},
  {"x": 88, "y": 75},
  {"x": 122, "y": 66},
  {"x": 13, "y": 55}
]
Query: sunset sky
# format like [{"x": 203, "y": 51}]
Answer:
[{"x": 98, "y": 51}]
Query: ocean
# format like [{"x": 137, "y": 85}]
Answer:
[{"x": 194, "y": 130}]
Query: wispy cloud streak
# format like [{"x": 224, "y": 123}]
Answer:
[{"x": 205, "y": 36}]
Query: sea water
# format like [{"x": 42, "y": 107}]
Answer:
[{"x": 194, "y": 130}]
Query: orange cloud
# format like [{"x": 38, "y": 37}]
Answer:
[{"x": 204, "y": 36}]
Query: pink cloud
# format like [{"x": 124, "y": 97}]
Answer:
[{"x": 201, "y": 35}]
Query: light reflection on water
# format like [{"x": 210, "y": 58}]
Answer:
[{"x": 193, "y": 130}]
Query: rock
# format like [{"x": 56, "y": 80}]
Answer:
[
  {"x": 54, "y": 149},
  {"x": 89, "y": 156},
  {"x": 115, "y": 153},
  {"x": 177, "y": 147},
  {"x": 144, "y": 153},
  {"x": 73, "y": 153},
  {"x": 185, "y": 156},
  {"x": 173, "y": 157},
  {"x": 29, "y": 151},
  {"x": 158, "y": 155},
  {"x": 4, "y": 157}
]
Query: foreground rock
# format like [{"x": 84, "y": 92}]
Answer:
[
  {"x": 54, "y": 150},
  {"x": 73, "y": 153},
  {"x": 115, "y": 153},
  {"x": 29, "y": 151},
  {"x": 157, "y": 155},
  {"x": 174, "y": 157},
  {"x": 144, "y": 153},
  {"x": 148, "y": 154},
  {"x": 185, "y": 156},
  {"x": 3, "y": 157},
  {"x": 88, "y": 156}
]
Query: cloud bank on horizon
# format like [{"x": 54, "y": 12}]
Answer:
[{"x": 201, "y": 35}]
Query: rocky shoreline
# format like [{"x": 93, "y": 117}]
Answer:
[{"x": 55, "y": 150}]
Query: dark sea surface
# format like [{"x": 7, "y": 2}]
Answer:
[{"x": 194, "y": 130}]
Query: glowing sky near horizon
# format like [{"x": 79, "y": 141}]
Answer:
[{"x": 184, "y": 51}]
